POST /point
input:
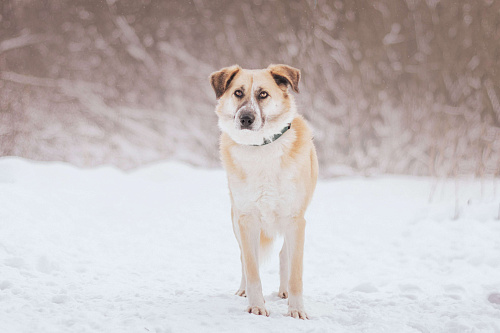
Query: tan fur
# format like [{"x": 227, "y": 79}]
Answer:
[
  {"x": 225, "y": 153},
  {"x": 303, "y": 148},
  {"x": 271, "y": 185},
  {"x": 290, "y": 74},
  {"x": 265, "y": 243}
]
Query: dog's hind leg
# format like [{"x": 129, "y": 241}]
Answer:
[
  {"x": 236, "y": 230},
  {"x": 241, "y": 290},
  {"x": 283, "y": 291}
]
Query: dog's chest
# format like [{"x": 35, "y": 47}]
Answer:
[{"x": 268, "y": 191}]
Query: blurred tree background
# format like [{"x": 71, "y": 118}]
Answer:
[{"x": 396, "y": 86}]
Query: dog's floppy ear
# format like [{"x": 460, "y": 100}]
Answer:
[
  {"x": 221, "y": 80},
  {"x": 284, "y": 74}
]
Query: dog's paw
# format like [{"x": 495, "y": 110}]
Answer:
[
  {"x": 258, "y": 310},
  {"x": 283, "y": 294},
  {"x": 241, "y": 292},
  {"x": 297, "y": 313}
]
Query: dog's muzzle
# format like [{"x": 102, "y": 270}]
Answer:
[
  {"x": 246, "y": 120},
  {"x": 246, "y": 117}
]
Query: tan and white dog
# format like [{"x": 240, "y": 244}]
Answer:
[{"x": 268, "y": 153}]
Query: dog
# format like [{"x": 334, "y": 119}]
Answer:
[{"x": 267, "y": 150}]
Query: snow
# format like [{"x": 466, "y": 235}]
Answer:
[{"x": 100, "y": 250}]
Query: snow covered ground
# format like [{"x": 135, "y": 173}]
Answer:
[{"x": 100, "y": 250}]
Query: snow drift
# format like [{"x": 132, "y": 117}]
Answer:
[{"x": 100, "y": 250}]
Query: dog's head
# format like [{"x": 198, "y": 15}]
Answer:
[{"x": 255, "y": 104}]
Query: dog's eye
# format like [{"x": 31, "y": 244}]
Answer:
[
  {"x": 238, "y": 93},
  {"x": 263, "y": 94}
]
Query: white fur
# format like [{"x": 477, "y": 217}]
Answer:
[{"x": 269, "y": 192}]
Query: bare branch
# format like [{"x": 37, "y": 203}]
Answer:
[
  {"x": 184, "y": 56},
  {"x": 49, "y": 83},
  {"x": 135, "y": 48},
  {"x": 28, "y": 80},
  {"x": 495, "y": 104},
  {"x": 22, "y": 41}
]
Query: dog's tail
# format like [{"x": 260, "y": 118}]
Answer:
[{"x": 266, "y": 245}]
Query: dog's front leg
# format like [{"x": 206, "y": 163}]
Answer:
[
  {"x": 294, "y": 240},
  {"x": 250, "y": 240}
]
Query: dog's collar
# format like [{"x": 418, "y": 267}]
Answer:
[{"x": 275, "y": 136}]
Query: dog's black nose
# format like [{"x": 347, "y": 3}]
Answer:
[{"x": 246, "y": 120}]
